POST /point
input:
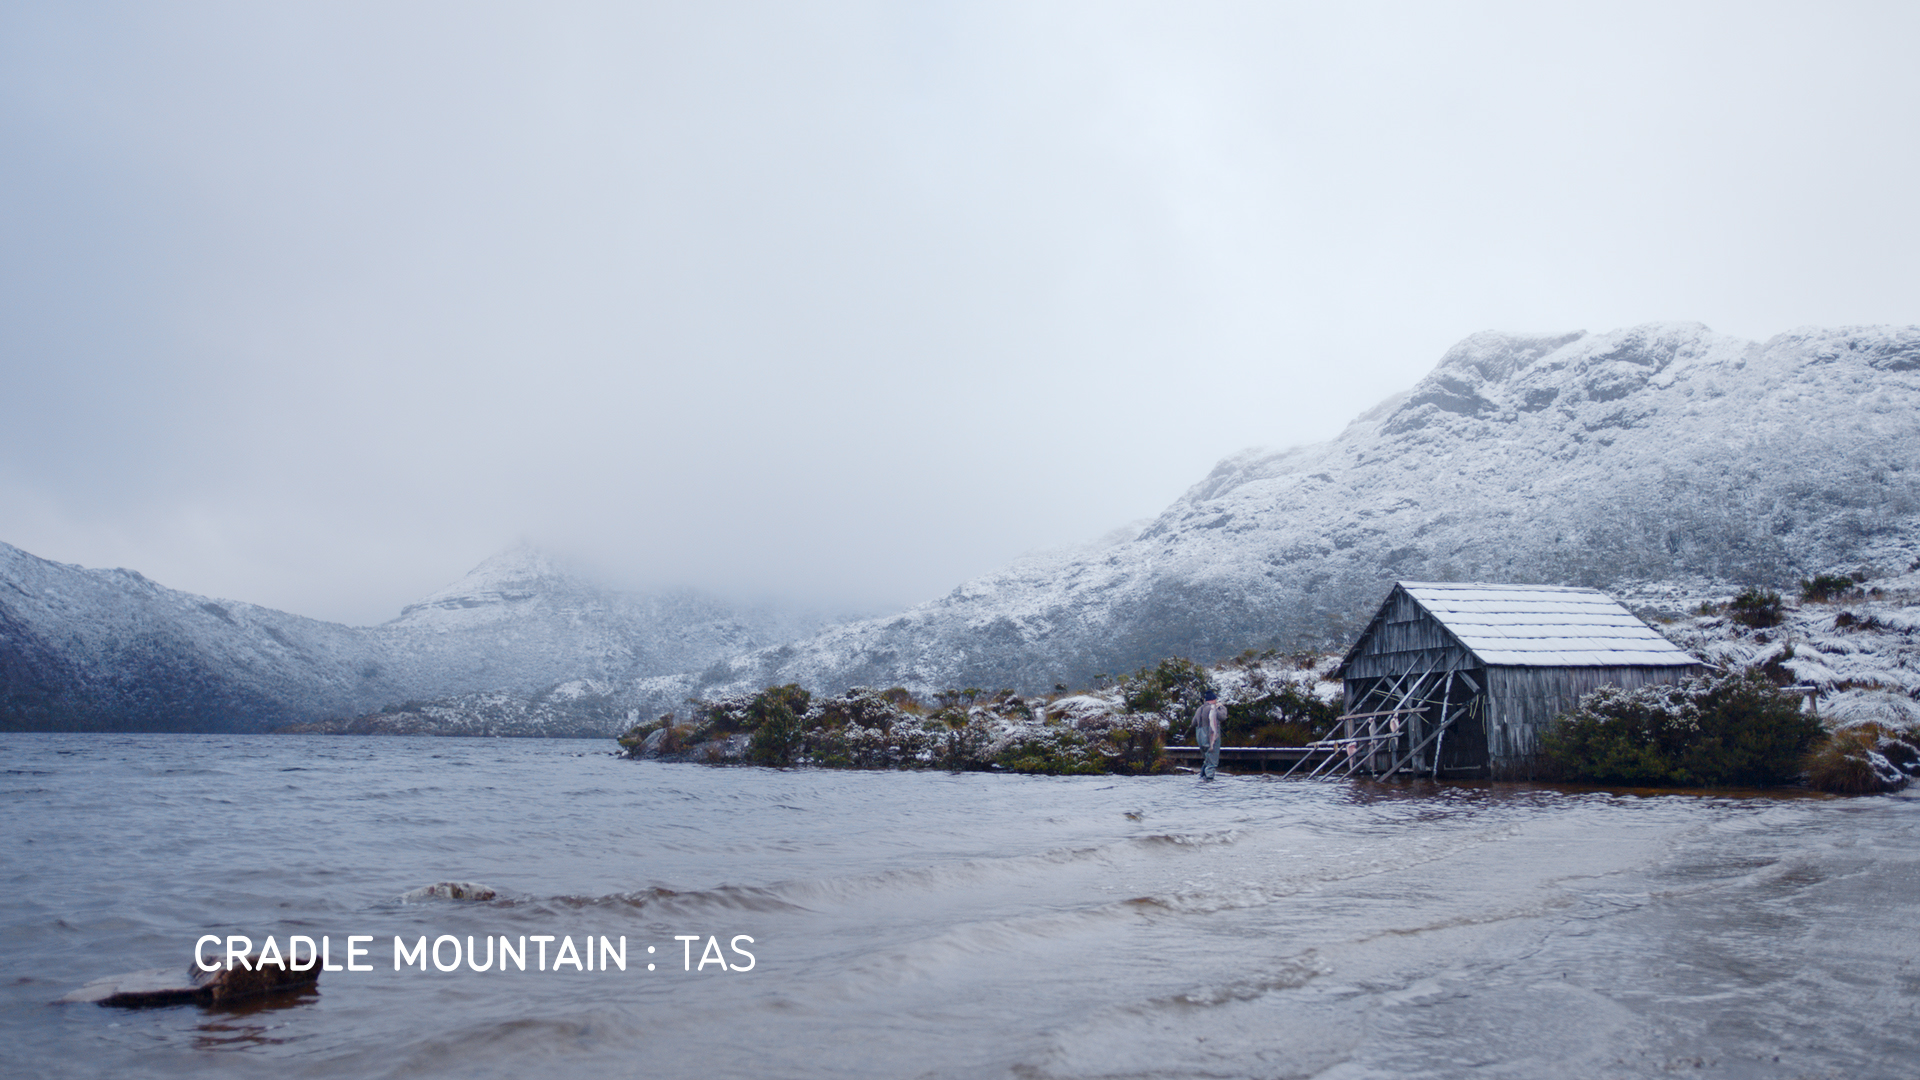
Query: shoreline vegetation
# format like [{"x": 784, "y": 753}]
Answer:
[
  {"x": 1120, "y": 726},
  {"x": 1753, "y": 724},
  {"x": 1733, "y": 729}
]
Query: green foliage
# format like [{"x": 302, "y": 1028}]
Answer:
[
  {"x": 632, "y": 742},
  {"x": 1173, "y": 686},
  {"x": 774, "y": 716},
  {"x": 903, "y": 699},
  {"x": 1824, "y": 587},
  {"x": 1726, "y": 730},
  {"x": 1756, "y": 607},
  {"x": 720, "y": 717},
  {"x": 959, "y": 740},
  {"x": 1280, "y": 716},
  {"x": 1055, "y": 752},
  {"x": 1132, "y": 746},
  {"x": 862, "y": 708}
]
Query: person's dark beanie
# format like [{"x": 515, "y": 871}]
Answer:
[{"x": 1209, "y": 696}]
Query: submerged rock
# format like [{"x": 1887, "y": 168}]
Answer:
[
  {"x": 449, "y": 890},
  {"x": 171, "y": 986}
]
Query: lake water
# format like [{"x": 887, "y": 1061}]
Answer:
[{"x": 934, "y": 925}]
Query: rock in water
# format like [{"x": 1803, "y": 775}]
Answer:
[
  {"x": 170, "y": 986},
  {"x": 449, "y": 890}
]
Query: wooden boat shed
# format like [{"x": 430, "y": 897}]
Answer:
[{"x": 1457, "y": 679}]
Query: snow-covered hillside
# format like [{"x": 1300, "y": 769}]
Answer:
[
  {"x": 519, "y": 622},
  {"x": 1860, "y": 652},
  {"x": 1662, "y": 463},
  {"x": 1656, "y": 462},
  {"x": 111, "y": 650}
]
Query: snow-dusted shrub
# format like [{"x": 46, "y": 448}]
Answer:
[
  {"x": 1847, "y": 620},
  {"x": 1863, "y": 760},
  {"x": 1174, "y": 685},
  {"x": 1052, "y": 750},
  {"x": 904, "y": 745},
  {"x": 1712, "y": 731},
  {"x": 763, "y": 727},
  {"x": 634, "y": 742},
  {"x": 774, "y": 714},
  {"x": 960, "y": 738},
  {"x": 874, "y": 729},
  {"x": 863, "y": 707},
  {"x": 1281, "y": 715},
  {"x": 1756, "y": 608},
  {"x": 719, "y": 717},
  {"x": 1821, "y": 588},
  {"x": 1125, "y": 742},
  {"x": 1009, "y": 704}
]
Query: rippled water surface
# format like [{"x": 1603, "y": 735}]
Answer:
[{"x": 925, "y": 924}]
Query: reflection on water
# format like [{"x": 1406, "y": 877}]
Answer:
[
  {"x": 248, "y": 1023},
  {"x": 938, "y": 925}
]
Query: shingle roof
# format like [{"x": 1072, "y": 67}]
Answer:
[{"x": 1545, "y": 626}]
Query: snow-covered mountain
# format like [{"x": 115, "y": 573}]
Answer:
[
  {"x": 1655, "y": 461},
  {"x": 520, "y": 622},
  {"x": 108, "y": 649},
  {"x": 1658, "y": 462}
]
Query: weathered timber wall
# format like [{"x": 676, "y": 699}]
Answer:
[
  {"x": 1407, "y": 638},
  {"x": 1521, "y": 701}
]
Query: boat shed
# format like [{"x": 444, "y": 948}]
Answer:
[{"x": 1458, "y": 679}]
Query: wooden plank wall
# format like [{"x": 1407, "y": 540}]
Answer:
[
  {"x": 1521, "y": 701},
  {"x": 1407, "y": 638}
]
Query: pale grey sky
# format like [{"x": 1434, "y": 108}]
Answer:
[{"x": 316, "y": 305}]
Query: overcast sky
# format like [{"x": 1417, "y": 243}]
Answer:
[{"x": 318, "y": 305}]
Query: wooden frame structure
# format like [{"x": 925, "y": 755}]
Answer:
[{"x": 1459, "y": 679}]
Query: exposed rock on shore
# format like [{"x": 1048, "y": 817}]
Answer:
[{"x": 172, "y": 986}]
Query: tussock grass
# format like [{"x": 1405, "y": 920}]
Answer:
[{"x": 1863, "y": 760}]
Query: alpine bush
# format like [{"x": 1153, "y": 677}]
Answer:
[
  {"x": 774, "y": 715},
  {"x": 1757, "y": 608},
  {"x": 1171, "y": 687},
  {"x": 1282, "y": 716},
  {"x": 1732, "y": 730},
  {"x": 1055, "y": 752},
  {"x": 1823, "y": 587}
]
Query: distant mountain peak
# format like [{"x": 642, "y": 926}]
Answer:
[
  {"x": 1495, "y": 356},
  {"x": 514, "y": 576}
]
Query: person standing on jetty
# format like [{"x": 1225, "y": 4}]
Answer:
[{"x": 1208, "y": 725}]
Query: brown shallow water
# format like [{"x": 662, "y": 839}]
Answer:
[{"x": 933, "y": 925}]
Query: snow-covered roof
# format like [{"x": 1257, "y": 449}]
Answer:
[{"x": 1545, "y": 626}]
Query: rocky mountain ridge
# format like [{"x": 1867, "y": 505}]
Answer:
[{"x": 1663, "y": 463}]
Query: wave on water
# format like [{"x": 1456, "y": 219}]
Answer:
[
  {"x": 944, "y": 926},
  {"x": 665, "y": 903}
]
